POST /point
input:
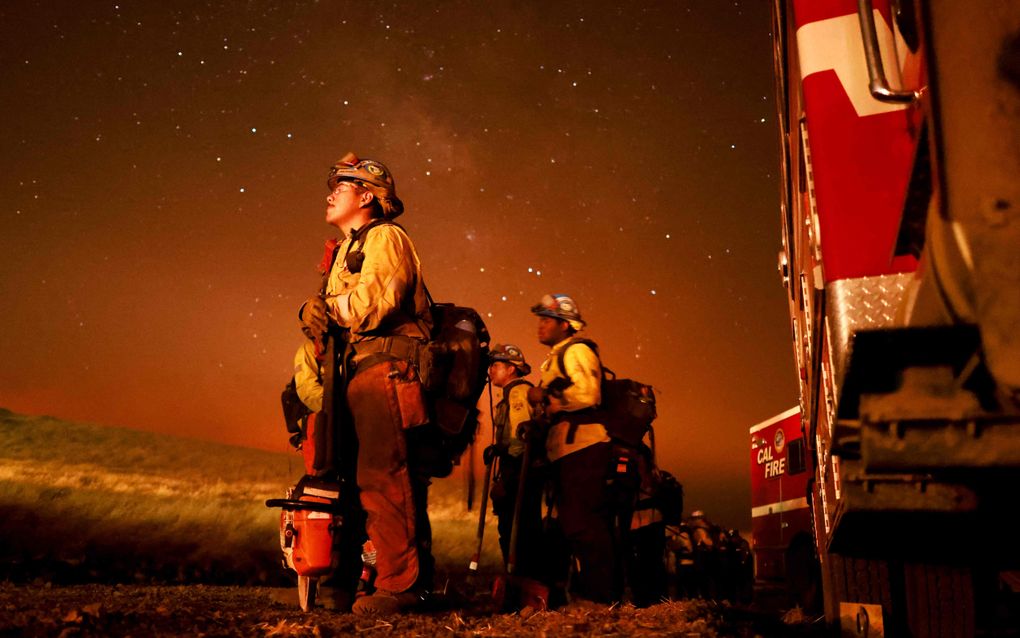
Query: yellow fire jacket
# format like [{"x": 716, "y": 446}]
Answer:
[
  {"x": 386, "y": 297},
  {"x": 582, "y": 367},
  {"x": 307, "y": 379},
  {"x": 517, "y": 410}
]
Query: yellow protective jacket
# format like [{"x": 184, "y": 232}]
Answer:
[
  {"x": 512, "y": 410},
  {"x": 386, "y": 297},
  {"x": 581, "y": 366},
  {"x": 307, "y": 377}
]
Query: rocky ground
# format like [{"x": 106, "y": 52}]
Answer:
[{"x": 205, "y": 610}]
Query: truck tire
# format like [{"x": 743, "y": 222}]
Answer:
[
  {"x": 861, "y": 581},
  {"x": 917, "y": 599},
  {"x": 939, "y": 600}
]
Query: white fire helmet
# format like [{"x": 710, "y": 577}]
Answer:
[{"x": 561, "y": 307}]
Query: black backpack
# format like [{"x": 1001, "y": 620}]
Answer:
[
  {"x": 454, "y": 369},
  {"x": 627, "y": 408}
]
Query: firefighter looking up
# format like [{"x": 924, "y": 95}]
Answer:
[
  {"x": 375, "y": 293},
  {"x": 507, "y": 369},
  {"x": 578, "y": 447}
]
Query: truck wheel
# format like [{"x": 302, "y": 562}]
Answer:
[
  {"x": 306, "y": 588},
  {"x": 858, "y": 581},
  {"x": 917, "y": 599},
  {"x": 939, "y": 600}
]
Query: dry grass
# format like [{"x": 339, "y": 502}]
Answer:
[
  {"x": 91, "y": 503},
  {"x": 88, "y": 504}
]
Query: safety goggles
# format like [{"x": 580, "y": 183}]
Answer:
[{"x": 347, "y": 185}]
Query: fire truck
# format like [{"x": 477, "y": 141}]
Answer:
[
  {"x": 900, "y": 205},
  {"x": 785, "y": 562}
]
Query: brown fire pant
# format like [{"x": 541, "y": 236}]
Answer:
[
  {"x": 587, "y": 520},
  {"x": 531, "y": 560},
  {"x": 385, "y": 399}
]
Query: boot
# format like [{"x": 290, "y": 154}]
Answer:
[{"x": 386, "y": 603}]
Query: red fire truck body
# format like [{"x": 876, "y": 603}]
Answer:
[
  {"x": 900, "y": 209},
  {"x": 779, "y": 486}
]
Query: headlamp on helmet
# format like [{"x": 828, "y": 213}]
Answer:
[{"x": 560, "y": 307}]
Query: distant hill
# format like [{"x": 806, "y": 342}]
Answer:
[{"x": 84, "y": 502}]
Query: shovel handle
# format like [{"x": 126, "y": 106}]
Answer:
[{"x": 473, "y": 566}]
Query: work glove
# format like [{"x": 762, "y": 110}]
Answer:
[
  {"x": 314, "y": 315},
  {"x": 490, "y": 453},
  {"x": 530, "y": 430}
]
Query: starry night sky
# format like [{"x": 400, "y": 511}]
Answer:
[{"x": 162, "y": 199}]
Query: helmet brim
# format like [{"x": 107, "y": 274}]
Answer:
[{"x": 541, "y": 311}]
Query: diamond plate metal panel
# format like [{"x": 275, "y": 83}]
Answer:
[{"x": 860, "y": 303}]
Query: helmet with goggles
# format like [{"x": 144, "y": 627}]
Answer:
[
  {"x": 371, "y": 175},
  {"x": 560, "y": 307},
  {"x": 511, "y": 354}
]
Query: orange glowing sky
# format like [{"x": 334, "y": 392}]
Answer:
[{"x": 163, "y": 197}]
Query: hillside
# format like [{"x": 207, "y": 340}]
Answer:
[{"x": 87, "y": 503}]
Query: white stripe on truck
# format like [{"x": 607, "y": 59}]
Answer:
[{"x": 781, "y": 506}]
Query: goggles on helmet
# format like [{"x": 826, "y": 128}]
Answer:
[{"x": 371, "y": 175}]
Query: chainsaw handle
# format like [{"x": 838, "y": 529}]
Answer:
[{"x": 292, "y": 505}]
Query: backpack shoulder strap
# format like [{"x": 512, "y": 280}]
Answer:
[
  {"x": 514, "y": 384},
  {"x": 361, "y": 234},
  {"x": 575, "y": 340}
]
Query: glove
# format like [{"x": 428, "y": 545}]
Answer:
[
  {"x": 314, "y": 315},
  {"x": 529, "y": 430},
  {"x": 490, "y": 453}
]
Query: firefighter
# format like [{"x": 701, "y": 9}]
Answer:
[
  {"x": 704, "y": 538},
  {"x": 739, "y": 568},
  {"x": 375, "y": 293},
  {"x": 680, "y": 563},
  {"x": 578, "y": 448},
  {"x": 646, "y": 540},
  {"x": 507, "y": 370}
]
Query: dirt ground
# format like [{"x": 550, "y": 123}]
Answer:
[{"x": 206, "y": 610}]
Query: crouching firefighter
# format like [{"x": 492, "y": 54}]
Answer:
[
  {"x": 375, "y": 295},
  {"x": 518, "y": 484},
  {"x": 578, "y": 447}
]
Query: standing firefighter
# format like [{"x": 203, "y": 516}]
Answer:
[
  {"x": 375, "y": 296},
  {"x": 578, "y": 447},
  {"x": 519, "y": 485},
  {"x": 646, "y": 539}
]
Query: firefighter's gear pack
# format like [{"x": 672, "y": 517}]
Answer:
[
  {"x": 627, "y": 408},
  {"x": 454, "y": 370}
]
